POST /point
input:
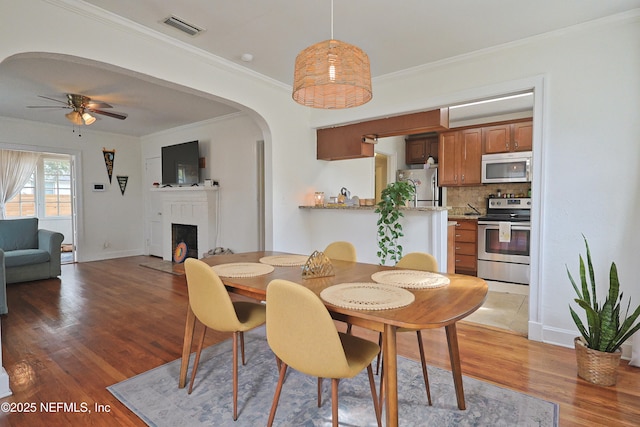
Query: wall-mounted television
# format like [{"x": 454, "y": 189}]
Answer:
[{"x": 180, "y": 164}]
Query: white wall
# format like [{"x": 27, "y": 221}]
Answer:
[
  {"x": 585, "y": 138},
  {"x": 105, "y": 218},
  {"x": 229, "y": 146}
]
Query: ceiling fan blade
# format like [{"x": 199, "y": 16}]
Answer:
[
  {"x": 97, "y": 104},
  {"x": 47, "y": 106},
  {"x": 53, "y": 99},
  {"x": 120, "y": 116}
]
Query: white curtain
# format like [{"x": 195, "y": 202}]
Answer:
[{"x": 16, "y": 168}]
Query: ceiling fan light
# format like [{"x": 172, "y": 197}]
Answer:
[
  {"x": 74, "y": 117},
  {"x": 88, "y": 118}
]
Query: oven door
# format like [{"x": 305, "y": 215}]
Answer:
[{"x": 490, "y": 248}]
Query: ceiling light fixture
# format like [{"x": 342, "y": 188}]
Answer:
[
  {"x": 80, "y": 117},
  {"x": 332, "y": 74}
]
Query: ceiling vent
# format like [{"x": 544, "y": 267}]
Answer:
[{"x": 183, "y": 26}]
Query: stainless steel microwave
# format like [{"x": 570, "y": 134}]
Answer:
[{"x": 506, "y": 167}]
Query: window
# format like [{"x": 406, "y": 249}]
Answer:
[
  {"x": 57, "y": 187},
  {"x": 24, "y": 203},
  {"x": 48, "y": 192}
]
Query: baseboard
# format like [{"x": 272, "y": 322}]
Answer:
[{"x": 564, "y": 338}]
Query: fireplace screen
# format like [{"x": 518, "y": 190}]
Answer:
[{"x": 184, "y": 242}]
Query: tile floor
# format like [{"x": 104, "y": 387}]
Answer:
[{"x": 504, "y": 310}]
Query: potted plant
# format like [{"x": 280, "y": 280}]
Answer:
[
  {"x": 393, "y": 198},
  {"x": 607, "y": 328}
]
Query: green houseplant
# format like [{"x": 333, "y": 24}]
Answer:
[
  {"x": 607, "y": 327},
  {"x": 393, "y": 198}
]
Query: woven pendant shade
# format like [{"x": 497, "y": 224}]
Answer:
[{"x": 332, "y": 75}]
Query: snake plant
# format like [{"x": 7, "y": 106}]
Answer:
[
  {"x": 605, "y": 331},
  {"x": 394, "y": 196}
]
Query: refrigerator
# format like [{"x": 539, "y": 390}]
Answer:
[{"x": 426, "y": 183}]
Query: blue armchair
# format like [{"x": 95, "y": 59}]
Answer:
[{"x": 26, "y": 253}]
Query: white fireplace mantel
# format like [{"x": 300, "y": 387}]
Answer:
[{"x": 189, "y": 206}]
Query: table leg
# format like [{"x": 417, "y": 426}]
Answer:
[
  {"x": 186, "y": 346},
  {"x": 456, "y": 368},
  {"x": 390, "y": 353}
]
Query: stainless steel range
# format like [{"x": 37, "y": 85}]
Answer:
[{"x": 504, "y": 241}]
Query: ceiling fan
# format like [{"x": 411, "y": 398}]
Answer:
[{"x": 81, "y": 106}]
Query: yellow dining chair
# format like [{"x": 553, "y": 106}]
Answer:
[
  {"x": 212, "y": 306},
  {"x": 302, "y": 335},
  {"x": 413, "y": 261},
  {"x": 343, "y": 251}
]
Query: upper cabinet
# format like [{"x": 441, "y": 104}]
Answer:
[
  {"x": 420, "y": 148},
  {"x": 459, "y": 158},
  {"x": 508, "y": 137},
  {"x": 347, "y": 142}
]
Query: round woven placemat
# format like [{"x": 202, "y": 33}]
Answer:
[
  {"x": 367, "y": 296},
  {"x": 242, "y": 269},
  {"x": 285, "y": 260},
  {"x": 410, "y": 279}
]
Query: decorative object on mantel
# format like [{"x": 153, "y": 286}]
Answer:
[
  {"x": 122, "y": 182},
  {"x": 393, "y": 198},
  {"x": 332, "y": 74},
  {"x": 598, "y": 349},
  {"x": 318, "y": 265},
  {"x": 109, "y": 156}
]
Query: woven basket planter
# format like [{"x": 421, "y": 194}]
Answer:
[{"x": 595, "y": 366}]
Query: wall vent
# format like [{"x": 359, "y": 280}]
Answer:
[{"x": 183, "y": 26}]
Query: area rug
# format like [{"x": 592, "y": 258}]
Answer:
[{"x": 154, "y": 396}]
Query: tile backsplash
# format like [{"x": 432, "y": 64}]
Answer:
[{"x": 458, "y": 197}]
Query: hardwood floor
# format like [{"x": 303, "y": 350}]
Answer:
[{"x": 64, "y": 341}]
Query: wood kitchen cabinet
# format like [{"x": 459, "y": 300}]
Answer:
[
  {"x": 466, "y": 246},
  {"x": 459, "y": 158},
  {"x": 508, "y": 137},
  {"x": 419, "y": 148}
]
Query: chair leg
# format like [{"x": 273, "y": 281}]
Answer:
[
  {"x": 376, "y": 407},
  {"x": 425, "y": 375},
  {"x": 242, "y": 347},
  {"x": 319, "y": 392},
  {"x": 197, "y": 360},
  {"x": 379, "y": 354},
  {"x": 235, "y": 375},
  {"x": 382, "y": 389},
  {"x": 334, "y": 401},
  {"x": 276, "y": 396},
  {"x": 349, "y": 326}
]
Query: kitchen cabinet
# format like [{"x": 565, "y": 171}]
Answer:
[
  {"x": 346, "y": 142},
  {"x": 466, "y": 246},
  {"x": 508, "y": 137},
  {"x": 460, "y": 157},
  {"x": 451, "y": 247},
  {"x": 419, "y": 148}
]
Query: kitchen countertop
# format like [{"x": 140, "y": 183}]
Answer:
[{"x": 371, "y": 208}]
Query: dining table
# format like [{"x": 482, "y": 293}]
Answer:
[{"x": 437, "y": 307}]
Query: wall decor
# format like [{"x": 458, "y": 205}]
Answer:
[
  {"x": 122, "y": 182},
  {"x": 109, "y": 156}
]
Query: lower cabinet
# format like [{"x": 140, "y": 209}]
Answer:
[{"x": 466, "y": 246}]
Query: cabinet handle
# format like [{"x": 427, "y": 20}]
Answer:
[
  {"x": 462, "y": 178},
  {"x": 515, "y": 144},
  {"x": 507, "y": 144},
  {"x": 457, "y": 247},
  {"x": 458, "y": 225}
]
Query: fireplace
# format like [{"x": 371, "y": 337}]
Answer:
[
  {"x": 194, "y": 210},
  {"x": 184, "y": 242}
]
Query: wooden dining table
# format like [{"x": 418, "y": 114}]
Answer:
[{"x": 432, "y": 308}]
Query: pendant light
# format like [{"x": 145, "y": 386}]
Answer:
[{"x": 332, "y": 74}]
